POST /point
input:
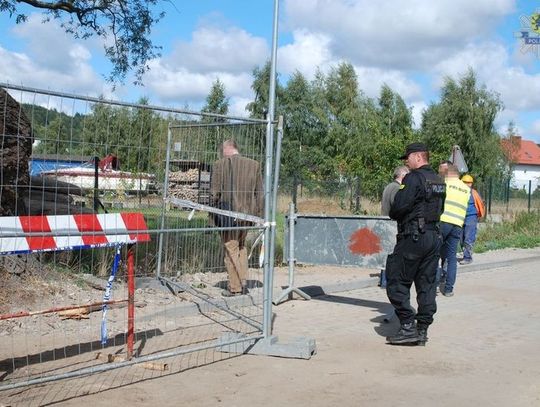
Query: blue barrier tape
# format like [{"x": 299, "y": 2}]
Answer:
[{"x": 107, "y": 295}]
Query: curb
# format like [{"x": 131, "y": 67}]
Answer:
[
  {"x": 315, "y": 290},
  {"x": 256, "y": 299}
]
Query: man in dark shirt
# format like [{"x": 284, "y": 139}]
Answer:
[{"x": 417, "y": 208}]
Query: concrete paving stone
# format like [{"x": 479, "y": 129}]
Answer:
[{"x": 482, "y": 351}]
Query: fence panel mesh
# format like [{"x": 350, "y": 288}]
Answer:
[{"x": 66, "y": 157}]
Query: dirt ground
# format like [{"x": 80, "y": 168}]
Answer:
[{"x": 483, "y": 350}]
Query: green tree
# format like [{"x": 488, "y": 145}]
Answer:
[
  {"x": 216, "y": 102},
  {"x": 395, "y": 120},
  {"x": 339, "y": 112},
  {"x": 124, "y": 26},
  {"x": 301, "y": 151},
  {"x": 261, "y": 87},
  {"x": 396, "y": 117},
  {"x": 465, "y": 116}
]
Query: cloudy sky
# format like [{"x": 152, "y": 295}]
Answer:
[{"x": 411, "y": 45}]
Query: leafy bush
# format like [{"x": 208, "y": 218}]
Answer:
[{"x": 523, "y": 231}]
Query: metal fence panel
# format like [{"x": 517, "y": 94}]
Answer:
[
  {"x": 147, "y": 156},
  {"x": 343, "y": 240}
]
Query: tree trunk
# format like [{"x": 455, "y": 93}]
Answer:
[{"x": 16, "y": 133}]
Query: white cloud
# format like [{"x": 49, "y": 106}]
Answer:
[
  {"x": 181, "y": 85},
  {"x": 491, "y": 61},
  {"x": 213, "y": 49},
  {"x": 187, "y": 74},
  {"x": 372, "y": 79},
  {"x": 237, "y": 106},
  {"x": 418, "y": 109},
  {"x": 20, "y": 68},
  {"x": 307, "y": 53},
  {"x": 404, "y": 34},
  {"x": 52, "y": 59},
  {"x": 66, "y": 55},
  {"x": 533, "y": 132}
]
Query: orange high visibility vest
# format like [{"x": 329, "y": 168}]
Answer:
[{"x": 480, "y": 207}]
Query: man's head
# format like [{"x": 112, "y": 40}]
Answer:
[
  {"x": 229, "y": 148},
  {"x": 443, "y": 168},
  {"x": 400, "y": 172},
  {"x": 452, "y": 171},
  {"x": 416, "y": 155},
  {"x": 468, "y": 179}
]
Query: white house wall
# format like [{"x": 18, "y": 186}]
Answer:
[{"x": 522, "y": 174}]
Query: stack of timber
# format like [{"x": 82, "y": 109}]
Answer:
[{"x": 192, "y": 185}]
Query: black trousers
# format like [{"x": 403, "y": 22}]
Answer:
[{"x": 414, "y": 260}]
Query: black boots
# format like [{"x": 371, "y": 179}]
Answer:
[
  {"x": 407, "y": 335},
  {"x": 422, "y": 335}
]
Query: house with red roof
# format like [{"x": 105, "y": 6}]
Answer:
[{"x": 525, "y": 158}]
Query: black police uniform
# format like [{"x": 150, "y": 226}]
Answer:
[{"x": 417, "y": 208}]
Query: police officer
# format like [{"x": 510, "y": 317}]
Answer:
[{"x": 417, "y": 208}]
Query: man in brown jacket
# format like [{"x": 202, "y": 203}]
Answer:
[{"x": 237, "y": 181}]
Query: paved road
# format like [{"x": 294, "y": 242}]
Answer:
[{"x": 483, "y": 351}]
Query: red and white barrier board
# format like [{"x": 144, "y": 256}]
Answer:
[{"x": 20, "y": 234}]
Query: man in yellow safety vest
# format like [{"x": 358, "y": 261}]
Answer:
[{"x": 452, "y": 219}]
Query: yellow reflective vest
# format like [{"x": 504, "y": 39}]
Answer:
[{"x": 455, "y": 204}]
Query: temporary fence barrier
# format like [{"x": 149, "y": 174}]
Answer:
[
  {"x": 34, "y": 234},
  {"x": 361, "y": 241},
  {"x": 165, "y": 159}
]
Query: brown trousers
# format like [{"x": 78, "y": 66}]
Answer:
[{"x": 236, "y": 261}]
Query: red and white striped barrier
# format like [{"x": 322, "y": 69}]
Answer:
[{"x": 20, "y": 234}]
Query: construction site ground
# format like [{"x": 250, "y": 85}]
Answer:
[{"x": 482, "y": 350}]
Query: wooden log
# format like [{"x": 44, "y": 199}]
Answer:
[
  {"x": 39, "y": 207},
  {"x": 53, "y": 185},
  {"x": 39, "y": 194}
]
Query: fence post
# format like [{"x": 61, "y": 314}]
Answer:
[
  {"x": 273, "y": 210},
  {"x": 507, "y": 193},
  {"x": 131, "y": 300},
  {"x": 295, "y": 189},
  {"x": 96, "y": 183},
  {"x": 288, "y": 292},
  {"x": 357, "y": 196},
  {"x": 530, "y": 195},
  {"x": 490, "y": 194},
  {"x": 269, "y": 262},
  {"x": 164, "y": 206}
]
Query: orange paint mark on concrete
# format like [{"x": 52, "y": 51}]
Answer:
[{"x": 364, "y": 242}]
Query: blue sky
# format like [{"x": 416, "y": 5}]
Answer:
[{"x": 411, "y": 45}]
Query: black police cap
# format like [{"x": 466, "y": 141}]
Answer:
[{"x": 413, "y": 148}]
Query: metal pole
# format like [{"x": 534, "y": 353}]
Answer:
[
  {"x": 275, "y": 188},
  {"x": 268, "y": 261},
  {"x": 529, "y": 200},
  {"x": 291, "y": 289},
  {"x": 96, "y": 183},
  {"x": 507, "y": 194},
  {"x": 164, "y": 206},
  {"x": 490, "y": 194},
  {"x": 295, "y": 188},
  {"x": 131, "y": 300},
  {"x": 291, "y": 260},
  {"x": 357, "y": 195}
]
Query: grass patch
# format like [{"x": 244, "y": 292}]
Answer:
[{"x": 522, "y": 231}]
